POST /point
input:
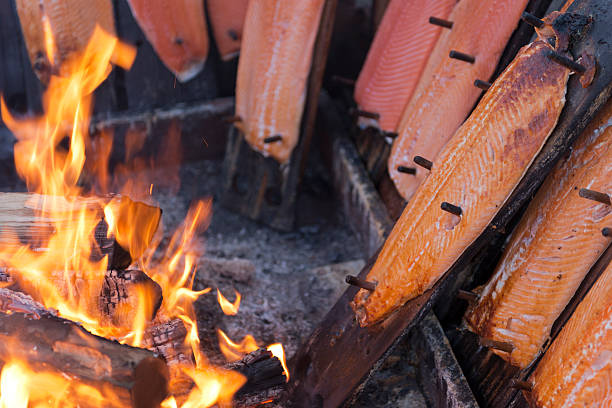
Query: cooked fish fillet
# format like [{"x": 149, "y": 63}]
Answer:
[
  {"x": 273, "y": 69},
  {"x": 447, "y": 95},
  {"x": 227, "y": 21},
  {"x": 552, "y": 249},
  {"x": 576, "y": 371},
  {"x": 476, "y": 171},
  {"x": 177, "y": 31},
  {"x": 397, "y": 57},
  {"x": 71, "y": 25}
]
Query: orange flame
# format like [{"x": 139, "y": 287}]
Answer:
[
  {"x": 230, "y": 309},
  {"x": 235, "y": 351},
  {"x": 278, "y": 351}
]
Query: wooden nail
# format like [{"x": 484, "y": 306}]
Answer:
[
  {"x": 566, "y": 62},
  {"x": 462, "y": 56},
  {"x": 595, "y": 196},
  {"x": 453, "y": 209},
  {"x": 467, "y": 295},
  {"x": 342, "y": 80},
  {"x": 532, "y": 20},
  {"x": 178, "y": 41},
  {"x": 440, "y": 22},
  {"x": 484, "y": 85},
  {"x": 232, "y": 119},
  {"x": 233, "y": 34},
  {"x": 606, "y": 232},
  {"x": 363, "y": 284},
  {"x": 272, "y": 139},
  {"x": 521, "y": 385},
  {"x": 423, "y": 162},
  {"x": 407, "y": 170},
  {"x": 497, "y": 345},
  {"x": 366, "y": 114}
]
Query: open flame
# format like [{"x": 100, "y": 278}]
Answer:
[
  {"x": 229, "y": 308},
  {"x": 50, "y": 155}
]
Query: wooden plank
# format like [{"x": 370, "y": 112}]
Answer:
[
  {"x": 440, "y": 375},
  {"x": 339, "y": 353},
  {"x": 259, "y": 187}
]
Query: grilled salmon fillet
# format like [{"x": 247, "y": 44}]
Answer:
[
  {"x": 477, "y": 170},
  {"x": 70, "y": 24},
  {"x": 273, "y": 69},
  {"x": 397, "y": 57},
  {"x": 447, "y": 94},
  {"x": 576, "y": 371},
  {"x": 227, "y": 21},
  {"x": 177, "y": 31},
  {"x": 549, "y": 253}
]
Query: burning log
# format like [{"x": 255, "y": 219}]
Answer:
[
  {"x": 24, "y": 221},
  {"x": 124, "y": 375}
]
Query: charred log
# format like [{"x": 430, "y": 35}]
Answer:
[{"x": 125, "y": 375}]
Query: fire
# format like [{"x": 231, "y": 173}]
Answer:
[
  {"x": 50, "y": 155},
  {"x": 278, "y": 351},
  {"x": 235, "y": 351},
  {"x": 229, "y": 308}
]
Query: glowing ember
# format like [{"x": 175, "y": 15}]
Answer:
[{"x": 230, "y": 309}]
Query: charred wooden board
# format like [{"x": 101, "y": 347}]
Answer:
[
  {"x": 127, "y": 375},
  {"x": 440, "y": 375},
  {"x": 260, "y": 187},
  {"x": 339, "y": 353}
]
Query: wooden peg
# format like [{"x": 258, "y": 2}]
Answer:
[
  {"x": 440, "y": 22},
  {"x": 566, "y": 62},
  {"x": 453, "y": 209},
  {"x": 462, "y": 56},
  {"x": 484, "y": 85},
  {"x": 521, "y": 385},
  {"x": 406, "y": 170},
  {"x": 272, "y": 139},
  {"x": 595, "y": 196},
  {"x": 363, "y": 284},
  {"x": 471, "y": 297},
  {"x": 532, "y": 20},
  {"x": 497, "y": 345},
  {"x": 423, "y": 162}
]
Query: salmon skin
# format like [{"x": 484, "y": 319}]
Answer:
[
  {"x": 227, "y": 21},
  {"x": 476, "y": 171},
  {"x": 548, "y": 254},
  {"x": 177, "y": 31},
  {"x": 70, "y": 24},
  {"x": 576, "y": 371},
  {"x": 397, "y": 57},
  {"x": 447, "y": 95},
  {"x": 273, "y": 69}
]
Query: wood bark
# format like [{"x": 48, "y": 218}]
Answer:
[{"x": 127, "y": 375}]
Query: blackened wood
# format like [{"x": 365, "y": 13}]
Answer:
[
  {"x": 521, "y": 35},
  {"x": 488, "y": 374},
  {"x": 133, "y": 376},
  {"x": 374, "y": 149},
  {"x": 440, "y": 375},
  {"x": 122, "y": 291},
  {"x": 203, "y": 132},
  {"x": 258, "y": 186},
  {"x": 360, "y": 201},
  {"x": 378, "y": 11},
  {"x": 167, "y": 339},
  {"x": 261, "y": 369}
]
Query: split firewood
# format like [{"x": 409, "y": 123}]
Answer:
[
  {"x": 123, "y": 375},
  {"x": 24, "y": 221},
  {"x": 262, "y": 370},
  {"x": 116, "y": 299}
]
